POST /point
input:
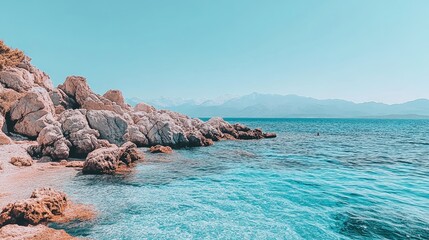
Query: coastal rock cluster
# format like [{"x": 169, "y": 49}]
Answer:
[
  {"x": 27, "y": 219},
  {"x": 43, "y": 205},
  {"x": 73, "y": 121}
]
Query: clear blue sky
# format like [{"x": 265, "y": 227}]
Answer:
[{"x": 374, "y": 50}]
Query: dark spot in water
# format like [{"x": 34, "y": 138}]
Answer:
[{"x": 371, "y": 226}]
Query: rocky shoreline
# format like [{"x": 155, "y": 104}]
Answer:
[{"x": 71, "y": 121}]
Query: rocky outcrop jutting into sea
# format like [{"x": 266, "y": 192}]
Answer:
[{"x": 73, "y": 121}]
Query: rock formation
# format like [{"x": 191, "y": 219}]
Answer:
[
  {"x": 160, "y": 149},
  {"x": 21, "y": 161},
  {"x": 73, "y": 121},
  {"x": 106, "y": 160},
  {"x": 43, "y": 204}
]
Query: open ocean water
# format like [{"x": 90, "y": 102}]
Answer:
[{"x": 360, "y": 179}]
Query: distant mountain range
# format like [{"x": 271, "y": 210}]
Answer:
[{"x": 289, "y": 106}]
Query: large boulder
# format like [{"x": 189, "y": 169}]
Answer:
[
  {"x": 135, "y": 135},
  {"x": 77, "y": 88},
  {"x": 161, "y": 149},
  {"x": 23, "y": 76},
  {"x": 223, "y": 128},
  {"x": 40, "y": 78},
  {"x": 61, "y": 101},
  {"x": 18, "y": 79},
  {"x": 77, "y": 130},
  {"x": 129, "y": 153},
  {"x": 110, "y": 125},
  {"x": 33, "y": 112},
  {"x": 160, "y": 128},
  {"x": 117, "y": 97},
  {"x": 52, "y": 143},
  {"x": 106, "y": 160},
  {"x": 143, "y": 107},
  {"x": 102, "y": 161},
  {"x": 43, "y": 204},
  {"x": 8, "y": 98}
]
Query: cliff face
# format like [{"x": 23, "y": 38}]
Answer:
[{"x": 72, "y": 120}]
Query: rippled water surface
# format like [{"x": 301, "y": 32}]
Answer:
[{"x": 360, "y": 179}]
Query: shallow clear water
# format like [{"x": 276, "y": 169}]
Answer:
[{"x": 360, "y": 179}]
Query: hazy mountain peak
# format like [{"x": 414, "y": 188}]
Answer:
[{"x": 275, "y": 105}]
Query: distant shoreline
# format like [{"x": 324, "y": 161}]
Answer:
[{"x": 387, "y": 117}]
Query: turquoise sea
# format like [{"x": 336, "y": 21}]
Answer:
[{"x": 359, "y": 179}]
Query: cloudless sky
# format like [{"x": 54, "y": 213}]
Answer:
[{"x": 359, "y": 50}]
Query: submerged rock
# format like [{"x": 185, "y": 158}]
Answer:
[{"x": 161, "y": 149}]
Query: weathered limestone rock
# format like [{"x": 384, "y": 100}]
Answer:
[
  {"x": 18, "y": 79},
  {"x": 160, "y": 149},
  {"x": 143, "y": 107},
  {"x": 33, "y": 112},
  {"x": 8, "y": 97},
  {"x": 43, "y": 204},
  {"x": 76, "y": 129},
  {"x": 130, "y": 153},
  {"x": 117, "y": 97},
  {"x": 21, "y": 161},
  {"x": 135, "y": 135},
  {"x": 110, "y": 125},
  {"x": 102, "y": 161},
  {"x": 40, "y": 77},
  {"x": 61, "y": 101},
  {"x": 106, "y": 160},
  {"x": 161, "y": 128},
  {"x": 53, "y": 143},
  {"x": 78, "y": 89},
  {"x": 223, "y": 127}
]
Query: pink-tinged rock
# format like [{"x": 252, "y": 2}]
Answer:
[
  {"x": 18, "y": 79},
  {"x": 52, "y": 143},
  {"x": 143, "y": 107},
  {"x": 161, "y": 149},
  {"x": 102, "y": 161},
  {"x": 110, "y": 125},
  {"x": 43, "y": 204},
  {"x": 117, "y": 97},
  {"x": 77, "y": 130},
  {"x": 106, "y": 160},
  {"x": 77, "y": 88},
  {"x": 33, "y": 112},
  {"x": 21, "y": 161}
]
